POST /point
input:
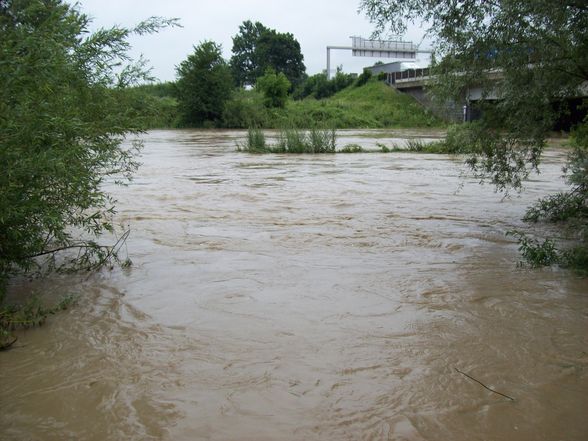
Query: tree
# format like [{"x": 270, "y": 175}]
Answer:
[
  {"x": 64, "y": 112},
  {"x": 257, "y": 48},
  {"x": 244, "y": 65},
  {"x": 537, "y": 53},
  {"x": 274, "y": 87},
  {"x": 204, "y": 84},
  {"x": 281, "y": 52}
]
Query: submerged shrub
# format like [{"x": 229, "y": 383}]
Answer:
[
  {"x": 568, "y": 210},
  {"x": 254, "y": 142},
  {"x": 313, "y": 141},
  {"x": 322, "y": 140},
  {"x": 537, "y": 253},
  {"x": 557, "y": 207},
  {"x": 352, "y": 148},
  {"x": 31, "y": 313},
  {"x": 291, "y": 141},
  {"x": 415, "y": 145},
  {"x": 461, "y": 138}
]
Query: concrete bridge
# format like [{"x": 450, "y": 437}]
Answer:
[{"x": 414, "y": 82}]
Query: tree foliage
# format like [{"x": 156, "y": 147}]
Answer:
[
  {"x": 204, "y": 84},
  {"x": 320, "y": 87},
  {"x": 257, "y": 49},
  {"x": 530, "y": 55},
  {"x": 64, "y": 112},
  {"x": 281, "y": 52},
  {"x": 274, "y": 87},
  {"x": 244, "y": 63}
]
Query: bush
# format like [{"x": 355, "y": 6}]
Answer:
[
  {"x": 462, "y": 138},
  {"x": 314, "y": 141},
  {"x": 158, "y": 104},
  {"x": 274, "y": 87},
  {"x": 161, "y": 112},
  {"x": 245, "y": 109},
  {"x": 319, "y": 87},
  {"x": 365, "y": 76},
  {"x": 569, "y": 210}
]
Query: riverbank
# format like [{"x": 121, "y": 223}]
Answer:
[{"x": 370, "y": 106}]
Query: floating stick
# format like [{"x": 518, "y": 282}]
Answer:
[{"x": 483, "y": 385}]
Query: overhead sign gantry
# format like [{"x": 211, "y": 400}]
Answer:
[{"x": 360, "y": 47}]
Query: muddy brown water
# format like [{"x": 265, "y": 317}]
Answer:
[{"x": 308, "y": 298}]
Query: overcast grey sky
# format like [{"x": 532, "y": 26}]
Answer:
[{"x": 314, "y": 23}]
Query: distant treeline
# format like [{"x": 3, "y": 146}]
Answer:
[{"x": 264, "y": 84}]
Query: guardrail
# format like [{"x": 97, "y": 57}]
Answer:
[{"x": 408, "y": 75}]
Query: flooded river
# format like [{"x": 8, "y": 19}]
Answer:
[{"x": 306, "y": 297}]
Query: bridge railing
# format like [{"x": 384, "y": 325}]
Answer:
[{"x": 407, "y": 75}]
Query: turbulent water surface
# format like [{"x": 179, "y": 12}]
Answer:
[{"x": 301, "y": 297}]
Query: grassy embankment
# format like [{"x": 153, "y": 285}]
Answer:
[{"x": 372, "y": 105}]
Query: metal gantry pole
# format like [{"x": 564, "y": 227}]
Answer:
[
  {"x": 347, "y": 48},
  {"x": 328, "y": 63}
]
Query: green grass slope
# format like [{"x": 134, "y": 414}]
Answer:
[{"x": 373, "y": 105}]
